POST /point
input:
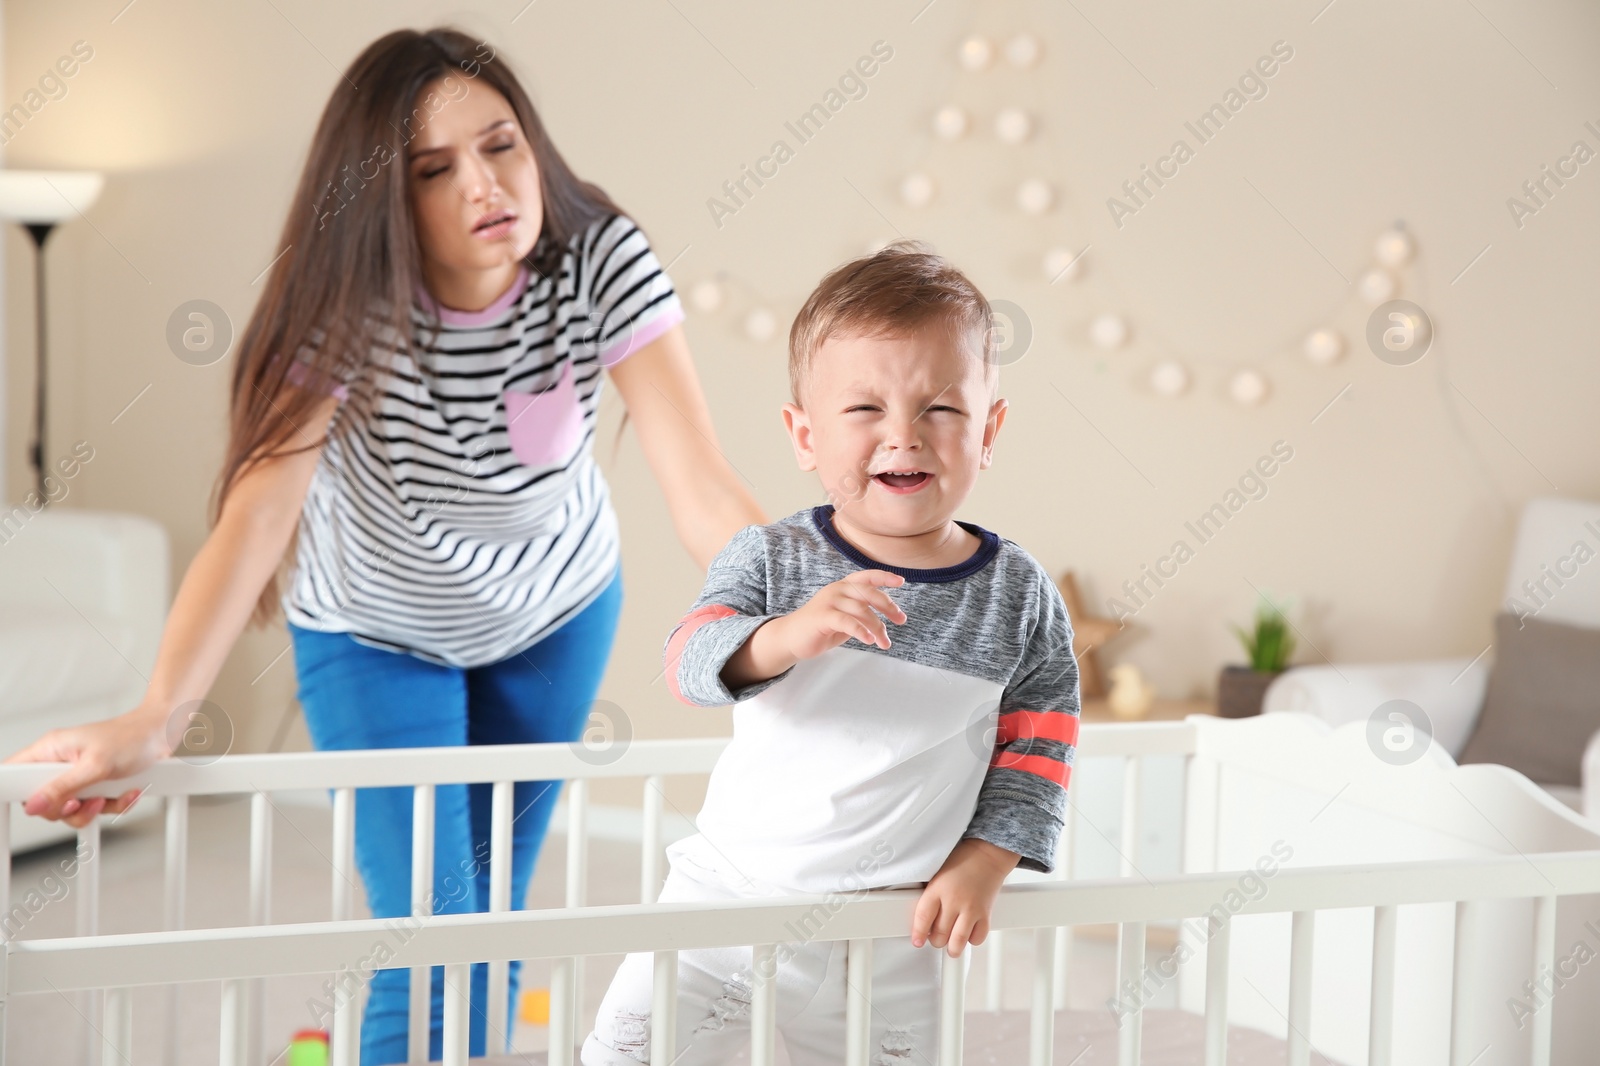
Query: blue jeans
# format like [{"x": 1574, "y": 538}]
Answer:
[{"x": 356, "y": 696}]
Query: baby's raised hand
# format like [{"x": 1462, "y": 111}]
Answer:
[{"x": 847, "y": 608}]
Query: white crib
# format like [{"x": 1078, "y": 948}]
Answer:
[{"x": 1414, "y": 898}]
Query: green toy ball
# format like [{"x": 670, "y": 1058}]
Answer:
[{"x": 308, "y": 1048}]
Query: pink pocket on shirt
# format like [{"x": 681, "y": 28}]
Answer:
[{"x": 546, "y": 428}]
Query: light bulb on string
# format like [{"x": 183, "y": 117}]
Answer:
[
  {"x": 1108, "y": 332},
  {"x": 1324, "y": 346},
  {"x": 976, "y": 53},
  {"x": 760, "y": 324},
  {"x": 1023, "y": 50},
  {"x": 1062, "y": 264},
  {"x": 1169, "y": 378},
  {"x": 1394, "y": 247},
  {"x": 916, "y": 190},
  {"x": 1248, "y": 387},
  {"x": 1013, "y": 125},
  {"x": 950, "y": 123},
  {"x": 705, "y": 296},
  {"x": 1376, "y": 285},
  {"x": 1035, "y": 196}
]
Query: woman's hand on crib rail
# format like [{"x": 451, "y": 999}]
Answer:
[
  {"x": 99, "y": 751},
  {"x": 955, "y": 906}
]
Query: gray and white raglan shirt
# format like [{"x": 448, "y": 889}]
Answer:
[{"x": 864, "y": 766}]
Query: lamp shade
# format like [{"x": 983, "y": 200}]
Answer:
[{"x": 47, "y": 196}]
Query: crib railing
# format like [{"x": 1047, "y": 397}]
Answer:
[
  {"x": 422, "y": 769},
  {"x": 119, "y": 963},
  {"x": 262, "y": 776}
]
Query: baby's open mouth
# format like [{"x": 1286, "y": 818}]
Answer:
[{"x": 908, "y": 480}]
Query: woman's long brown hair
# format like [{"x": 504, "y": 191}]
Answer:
[{"x": 345, "y": 279}]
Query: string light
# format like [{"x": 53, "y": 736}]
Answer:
[
  {"x": 976, "y": 54},
  {"x": 1035, "y": 196},
  {"x": 950, "y": 123},
  {"x": 1393, "y": 249}
]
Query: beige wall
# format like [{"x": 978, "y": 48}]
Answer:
[{"x": 1389, "y": 527}]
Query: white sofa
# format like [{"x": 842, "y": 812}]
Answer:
[
  {"x": 83, "y": 597},
  {"x": 1451, "y": 691}
]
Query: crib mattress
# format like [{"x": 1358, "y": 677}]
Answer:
[{"x": 1000, "y": 1038}]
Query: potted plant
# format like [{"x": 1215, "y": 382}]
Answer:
[{"x": 1241, "y": 688}]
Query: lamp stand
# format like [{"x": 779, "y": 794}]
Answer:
[{"x": 40, "y": 231}]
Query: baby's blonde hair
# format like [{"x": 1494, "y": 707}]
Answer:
[{"x": 902, "y": 288}]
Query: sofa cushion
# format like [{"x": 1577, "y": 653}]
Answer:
[
  {"x": 1543, "y": 700},
  {"x": 59, "y": 658}
]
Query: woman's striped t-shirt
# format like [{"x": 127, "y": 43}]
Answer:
[{"x": 466, "y": 518}]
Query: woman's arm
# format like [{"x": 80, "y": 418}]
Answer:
[
  {"x": 708, "y": 499},
  {"x": 212, "y": 607}
]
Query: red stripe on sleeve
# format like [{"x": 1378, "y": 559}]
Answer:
[
  {"x": 1041, "y": 765},
  {"x": 1045, "y": 725},
  {"x": 690, "y": 622}
]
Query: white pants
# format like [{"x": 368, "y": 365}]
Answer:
[{"x": 714, "y": 990}]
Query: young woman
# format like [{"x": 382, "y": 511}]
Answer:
[{"x": 414, "y": 406}]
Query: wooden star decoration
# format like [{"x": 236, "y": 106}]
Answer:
[{"x": 1088, "y": 633}]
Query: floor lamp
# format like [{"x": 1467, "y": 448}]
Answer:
[{"x": 39, "y": 199}]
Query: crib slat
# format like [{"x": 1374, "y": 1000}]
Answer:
[
  {"x": 1042, "y": 1029},
  {"x": 1463, "y": 991},
  {"x": 89, "y": 879},
  {"x": 1301, "y": 938},
  {"x": 5, "y": 858},
  {"x": 577, "y": 840},
  {"x": 344, "y": 846},
  {"x": 88, "y": 924},
  {"x": 1130, "y": 814},
  {"x": 260, "y": 858},
  {"x": 420, "y": 1022},
  {"x": 260, "y": 914},
  {"x": 231, "y": 1049},
  {"x": 173, "y": 904},
  {"x": 664, "y": 1010},
  {"x": 858, "y": 1002},
  {"x": 1063, "y": 950},
  {"x": 994, "y": 950},
  {"x": 457, "y": 992},
  {"x": 763, "y": 1005},
  {"x": 176, "y": 863},
  {"x": 650, "y": 850},
  {"x": 1130, "y": 986},
  {"x": 952, "y": 1009},
  {"x": 563, "y": 1021},
  {"x": 117, "y": 1045},
  {"x": 1062, "y": 955},
  {"x": 577, "y": 874},
  {"x": 1544, "y": 961},
  {"x": 344, "y": 1041},
  {"x": 1217, "y": 990},
  {"x": 500, "y": 815},
  {"x": 344, "y": 1045},
  {"x": 1380, "y": 1031}
]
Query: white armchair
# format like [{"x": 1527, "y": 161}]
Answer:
[
  {"x": 1451, "y": 691},
  {"x": 83, "y": 597}
]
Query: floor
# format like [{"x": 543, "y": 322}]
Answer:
[{"x": 53, "y": 1028}]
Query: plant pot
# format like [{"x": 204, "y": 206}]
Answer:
[{"x": 1241, "y": 689}]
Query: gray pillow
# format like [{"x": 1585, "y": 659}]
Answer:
[{"x": 1543, "y": 701}]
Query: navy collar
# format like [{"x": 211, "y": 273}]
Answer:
[{"x": 822, "y": 517}]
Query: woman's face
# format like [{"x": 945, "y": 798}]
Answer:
[{"x": 473, "y": 180}]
